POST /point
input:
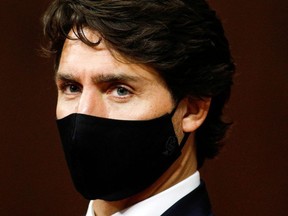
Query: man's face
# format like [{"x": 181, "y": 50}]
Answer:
[{"x": 91, "y": 81}]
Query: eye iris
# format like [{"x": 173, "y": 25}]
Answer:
[
  {"x": 73, "y": 88},
  {"x": 122, "y": 91}
]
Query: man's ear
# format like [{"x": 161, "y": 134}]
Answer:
[{"x": 196, "y": 112}]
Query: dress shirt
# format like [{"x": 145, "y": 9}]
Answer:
[{"x": 159, "y": 203}]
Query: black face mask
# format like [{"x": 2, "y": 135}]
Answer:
[{"x": 113, "y": 159}]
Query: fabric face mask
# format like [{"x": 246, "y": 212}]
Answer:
[{"x": 113, "y": 159}]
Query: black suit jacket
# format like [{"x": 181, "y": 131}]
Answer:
[{"x": 195, "y": 203}]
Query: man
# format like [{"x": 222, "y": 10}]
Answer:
[{"x": 141, "y": 88}]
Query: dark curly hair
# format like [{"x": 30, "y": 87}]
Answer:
[{"x": 181, "y": 39}]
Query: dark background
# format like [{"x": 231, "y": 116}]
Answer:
[{"x": 248, "y": 178}]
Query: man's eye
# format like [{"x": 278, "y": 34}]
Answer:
[
  {"x": 69, "y": 88},
  {"x": 73, "y": 88},
  {"x": 121, "y": 91}
]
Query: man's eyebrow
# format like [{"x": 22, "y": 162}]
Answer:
[
  {"x": 64, "y": 76},
  {"x": 99, "y": 78},
  {"x": 105, "y": 78}
]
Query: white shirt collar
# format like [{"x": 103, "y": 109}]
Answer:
[{"x": 159, "y": 203}]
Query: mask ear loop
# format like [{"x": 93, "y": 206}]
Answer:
[
  {"x": 186, "y": 134},
  {"x": 183, "y": 141}
]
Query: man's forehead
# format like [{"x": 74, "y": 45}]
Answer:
[
  {"x": 78, "y": 57},
  {"x": 91, "y": 35},
  {"x": 75, "y": 39}
]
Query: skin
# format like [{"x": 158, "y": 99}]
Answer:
[{"x": 92, "y": 81}]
